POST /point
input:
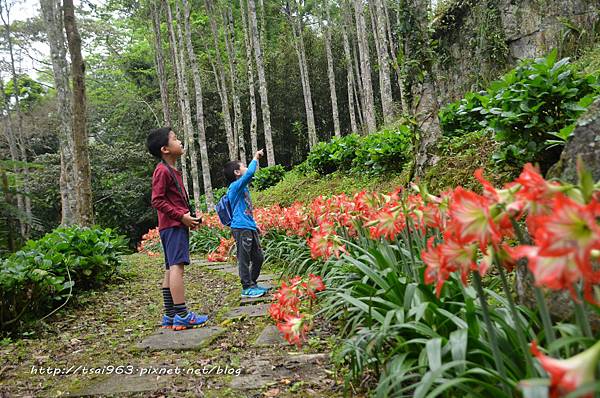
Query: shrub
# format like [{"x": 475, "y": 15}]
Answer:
[
  {"x": 374, "y": 154},
  {"x": 383, "y": 152},
  {"x": 217, "y": 195},
  {"x": 206, "y": 239},
  {"x": 267, "y": 177},
  {"x": 39, "y": 275},
  {"x": 531, "y": 109},
  {"x": 337, "y": 154}
]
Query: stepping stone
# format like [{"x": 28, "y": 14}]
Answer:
[
  {"x": 265, "y": 277},
  {"x": 260, "y": 372},
  {"x": 270, "y": 336},
  {"x": 221, "y": 266},
  {"x": 249, "y": 310},
  {"x": 123, "y": 384},
  {"x": 250, "y": 300},
  {"x": 203, "y": 261},
  {"x": 189, "y": 339}
]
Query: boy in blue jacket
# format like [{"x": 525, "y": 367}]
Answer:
[{"x": 243, "y": 227}]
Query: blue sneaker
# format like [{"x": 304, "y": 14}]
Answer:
[
  {"x": 263, "y": 288},
  {"x": 252, "y": 292},
  {"x": 190, "y": 321},
  {"x": 167, "y": 322}
]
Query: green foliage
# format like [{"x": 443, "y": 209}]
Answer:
[
  {"x": 266, "y": 177},
  {"x": 38, "y": 277},
  {"x": 374, "y": 154},
  {"x": 463, "y": 155},
  {"x": 217, "y": 195},
  {"x": 529, "y": 110},
  {"x": 297, "y": 186},
  {"x": 205, "y": 239}
]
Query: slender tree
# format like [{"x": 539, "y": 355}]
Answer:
[
  {"x": 331, "y": 71},
  {"x": 155, "y": 10},
  {"x": 250, "y": 72},
  {"x": 222, "y": 84},
  {"x": 262, "y": 82},
  {"x": 83, "y": 179},
  {"x": 17, "y": 127},
  {"x": 349, "y": 79},
  {"x": 295, "y": 17},
  {"x": 53, "y": 22},
  {"x": 365, "y": 66},
  {"x": 199, "y": 108},
  {"x": 232, "y": 58},
  {"x": 187, "y": 117},
  {"x": 381, "y": 44}
]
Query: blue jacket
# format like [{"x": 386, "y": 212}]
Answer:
[{"x": 239, "y": 197}]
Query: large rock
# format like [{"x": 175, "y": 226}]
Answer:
[{"x": 584, "y": 143}]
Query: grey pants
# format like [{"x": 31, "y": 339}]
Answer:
[{"x": 249, "y": 251}]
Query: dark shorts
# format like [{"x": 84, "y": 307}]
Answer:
[{"x": 176, "y": 245}]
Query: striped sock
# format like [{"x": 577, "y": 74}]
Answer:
[
  {"x": 169, "y": 310},
  {"x": 180, "y": 309}
]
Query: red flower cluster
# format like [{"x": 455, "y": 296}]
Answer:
[
  {"x": 222, "y": 252},
  {"x": 150, "y": 243},
  {"x": 287, "y": 304},
  {"x": 564, "y": 228}
]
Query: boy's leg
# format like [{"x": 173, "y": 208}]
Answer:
[
  {"x": 177, "y": 289},
  {"x": 167, "y": 298},
  {"x": 257, "y": 256},
  {"x": 243, "y": 243}
]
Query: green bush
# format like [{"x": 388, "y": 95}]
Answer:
[
  {"x": 383, "y": 152},
  {"x": 267, "y": 177},
  {"x": 337, "y": 154},
  {"x": 205, "y": 239},
  {"x": 217, "y": 195},
  {"x": 531, "y": 109},
  {"x": 37, "y": 277},
  {"x": 374, "y": 154}
]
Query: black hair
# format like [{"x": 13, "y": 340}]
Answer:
[
  {"x": 157, "y": 138},
  {"x": 229, "y": 170}
]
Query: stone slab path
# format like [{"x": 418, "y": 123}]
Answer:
[
  {"x": 190, "y": 339},
  {"x": 239, "y": 352}
]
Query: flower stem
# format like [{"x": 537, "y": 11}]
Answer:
[
  {"x": 545, "y": 315},
  {"x": 491, "y": 331},
  {"x": 581, "y": 316},
  {"x": 516, "y": 318}
]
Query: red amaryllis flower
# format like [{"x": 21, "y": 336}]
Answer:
[
  {"x": 386, "y": 223},
  {"x": 566, "y": 375},
  {"x": 460, "y": 256},
  {"x": 436, "y": 270},
  {"x": 471, "y": 218},
  {"x": 314, "y": 284},
  {"x": 556, "y": 273},
  {"x": 294, "y": 328},
  {"x": 278, "y": 311},
  {"x": 287, "y": 295}
]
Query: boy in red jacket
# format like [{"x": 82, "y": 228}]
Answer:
[{"x": 174, "y": 221}]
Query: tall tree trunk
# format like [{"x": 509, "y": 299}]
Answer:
[
  {"x": 381, "y": 43},
  {"x": 52, "y": 14},
  {"x": 262, "y": 81},
  {"x": 359, "y": 92},
  {"x": 184, "y": 100},
  {"x": 250, "y": 71},
  {"x": 365, "y": 66},
  {"x": 222, "y": 84},
  {"x": 11, "y": 139},
  {"x": 80, "y": 138},
  {"x": 160, "y": 62},
  {"x": 296, "y": 22},
  {"x": 199, "y": 109},
  {"x": 18, "y": 128},
  {"x": 237, "y": 108},
  {"x": 350, "y": 80},
  {"x": 331, "y": 73}
]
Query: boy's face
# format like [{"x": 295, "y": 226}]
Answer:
[
  {"x": 241, "y": 171},
  {"x": 173, "y": 147}
]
